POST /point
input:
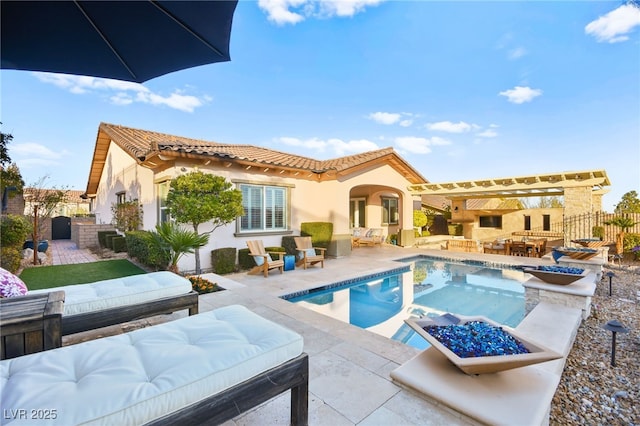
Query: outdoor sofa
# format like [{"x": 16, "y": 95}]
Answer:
[
  {"x": 206, "y": 368},
  {"x": 109, "y": 302},
  {"x": 366, "y": 237}
]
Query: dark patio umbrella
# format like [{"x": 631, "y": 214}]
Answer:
[{"x": 124, "y": 40}]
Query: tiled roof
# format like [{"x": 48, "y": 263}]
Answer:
[
  {"x": 147, "y": 147},
  {"x": 71, "y": 195},
  {"x": 143, "y": 143}
]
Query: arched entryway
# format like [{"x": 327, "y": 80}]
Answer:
[{"x": 378, "y": 206}]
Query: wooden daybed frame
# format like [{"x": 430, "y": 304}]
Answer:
[
  {"x": 112, "y": 316},
  {"x": 224, "y": 406}
]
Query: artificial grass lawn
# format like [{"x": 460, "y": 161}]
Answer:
[{"x": 79, "y": 273}]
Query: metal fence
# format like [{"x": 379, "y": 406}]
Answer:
[{"x": 581, "y": 226}]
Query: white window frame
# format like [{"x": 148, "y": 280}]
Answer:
[
  {"x": 355, "y": 214},
  {"x": 161, "y": 194},
  {"x": 272, "y": 208},
  {"x": 388, "y": 211}
]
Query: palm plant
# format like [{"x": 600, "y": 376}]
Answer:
[
  {"x": 624, "y": 223},
  {"x": 176, "y": 242}
]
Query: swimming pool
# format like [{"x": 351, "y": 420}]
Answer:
[{"x": 424, "y": 286}]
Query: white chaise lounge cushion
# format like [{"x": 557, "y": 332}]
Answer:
[
  {"x": 140, "y": 376},
  {"x": 118, "y": 292}
]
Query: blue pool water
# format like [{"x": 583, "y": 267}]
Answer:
[{"x": 381, "y": 303}]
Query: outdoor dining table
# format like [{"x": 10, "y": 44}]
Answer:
[{"x": 532, "y": 248}]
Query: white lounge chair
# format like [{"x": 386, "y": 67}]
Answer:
[
  {"x": 204, "y": 368},
  {"x": 104, "y": 303}
]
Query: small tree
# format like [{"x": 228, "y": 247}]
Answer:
[
  {"x": 127, "y": 216},
  {"x": 43, "y": 201},
  {"x": 419, "y": 220},
  {"x": 629, "y": 203},
  {"x": 196, "y": 198},
  {"x": 624, "y": 223}
]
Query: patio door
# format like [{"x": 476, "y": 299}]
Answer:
[{"x": 356, "y": 212}]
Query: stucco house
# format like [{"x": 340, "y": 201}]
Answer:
[{"x": 280, "y": 190}]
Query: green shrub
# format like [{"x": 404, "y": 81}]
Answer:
[
  {"x": 289, "y": 245},
  {"x": 244, "y": 260},
  {"x": 630, "y": 241},
  {"x": 102, "y": 235},
  {"x": 108, "y": 240},
  {"x": 455, "y": 229},
  {"x": 119, "y": 244},
  {"x": 136, "y": 244},
  {"x": 223, "y": 260},
  {"x": 14, "y": 230},
  {"x": 320, "y": 233},
  {"x": 598, "y": 232},
  {"x": 10, "y": 258},
  {"x": 140, "y": 247}
]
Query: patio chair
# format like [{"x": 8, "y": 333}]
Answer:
[
  {"x": 541, "y": 247},
  {"x": 307, "y": 254},
  {"x": 264, "y": 261},
  {"x": 519, "y": 248}
]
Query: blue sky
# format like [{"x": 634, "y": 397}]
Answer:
[{"x": 462, "y": 90}]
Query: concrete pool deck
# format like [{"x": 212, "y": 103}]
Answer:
[{"x": 350, "y": 368}]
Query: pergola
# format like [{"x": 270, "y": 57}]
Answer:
[
  {"x": 582, "y": 191},
  {"x": 550, "y": 184}
]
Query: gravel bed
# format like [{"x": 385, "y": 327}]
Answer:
[{"x": 591, "y": 390}]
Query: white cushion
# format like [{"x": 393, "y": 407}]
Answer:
[
  {"x": 117, "y": 292},
  {"x": 260, "y": 259},
  {"x": 140, "y": 376}
]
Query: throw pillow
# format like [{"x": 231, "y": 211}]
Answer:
[
  {"x": 310, "y": 252},
  {"x": 10, "y": 285},
  {"x": 260, "y": 259}
]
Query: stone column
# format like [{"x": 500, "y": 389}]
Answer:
[{"x": 577, "y": 201}]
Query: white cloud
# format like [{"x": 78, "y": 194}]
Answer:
[
  {"x": 293, "y": 11},
  {"x": 406, "y": 123},
  {"x": 352, "y": 147},
  {"x": 384, "y": 117},
  {"x": 419, "y": 145},
  {"x": 30, "y": 155},
  {"x": 449, "y": 127},
  {"x": 343, "y": 8},
  {"x": 519, "y": 94},
  {"x": 489, "y": 133},
  {"x": 336, "y": 147},
  {"x": 125, "y": 92},
  {"x": 517, "y": 53},
  {"x": 35, "y": 149},
  {"x": 615, "y": 25},
  {"x": 278, "y": 11}
]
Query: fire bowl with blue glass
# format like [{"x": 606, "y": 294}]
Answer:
[
  {"x": 477, "y": 345},
  {"x": 559, "y": 275}
]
